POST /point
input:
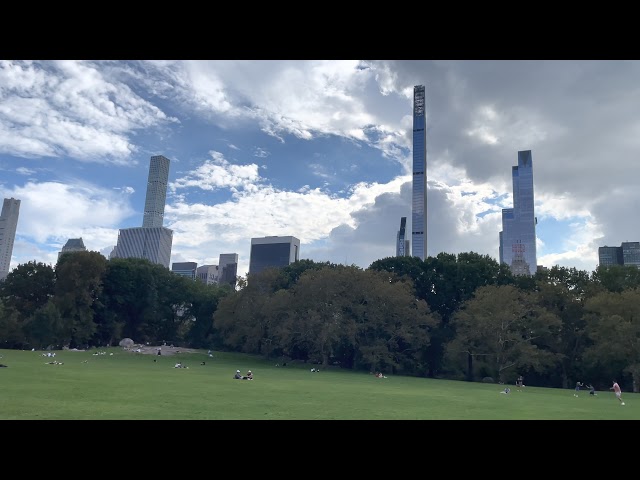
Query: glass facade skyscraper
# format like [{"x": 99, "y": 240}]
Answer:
[
  {"x": 185, "y": 269},
  {"x": 267, "y": 252},
  {"x": 8, "y": 226},
  {"x": 419, "y": 198},
  {"x": 518, "y": 235},
  {"x": 608, "y": 256},
  {"x": 631, "y": 253},
  {"x": 402, "y": 243},
  {"x": 628, "y": 253}
]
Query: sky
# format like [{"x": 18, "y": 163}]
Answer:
[{"x": 320, "y": 150}]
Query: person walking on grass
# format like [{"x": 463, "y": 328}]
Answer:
[{"x": 618, "y": 391}]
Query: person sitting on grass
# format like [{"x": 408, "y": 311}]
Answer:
[
  {"x": 238, "y": 375},
  {"x": 249, "y": 376}
]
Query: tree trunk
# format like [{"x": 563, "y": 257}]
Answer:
[{"x": 469, "y": 367}]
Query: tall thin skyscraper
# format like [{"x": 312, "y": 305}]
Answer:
[
  {"x": 8, "y": 225},
  {"x": 518, "y": 235},
  {"x": 156, "y": 191},
  {"x": 419, "y": 201},
  {"x": 402, "y": 243},
  {"x": 151, "y": 241}
]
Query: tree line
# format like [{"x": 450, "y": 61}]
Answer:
[{"x": 461, "y": 316}]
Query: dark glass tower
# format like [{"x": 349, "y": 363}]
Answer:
[
  {"x": 402, "y": 243},
  {"x": 267, "y": 252},
  {"x": 419, "y": 200},
  {"x": 518, "y": 235}
]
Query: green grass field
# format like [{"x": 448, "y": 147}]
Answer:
[{"x": 129, "y": 386}]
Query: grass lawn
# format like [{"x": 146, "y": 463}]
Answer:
[{"x": 129, "y": 386}]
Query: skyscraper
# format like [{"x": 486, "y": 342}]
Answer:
[
  {"x": 151, "y": 241},
  {"x": 518, "y": 235},
  {"x": 207, "y": 274},
  {"x": 628, "y": 253},
  {"x": 631, "y": 253},
  {"x": 228, "y": 264},
  {"x": 608, "y": 256},
  {"x": 73, "y": 245},
  {"x": 185, "y": 269},
  {"x": 156, "y": 191},
  {"x": 8, "y": 225},
  {"x": 419, "y": 200},
  {"x": 402, "y": 243},
  {"x": 269, "y": 252}
]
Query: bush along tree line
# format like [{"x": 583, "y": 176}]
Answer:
[{"x": 463, "y": 317}]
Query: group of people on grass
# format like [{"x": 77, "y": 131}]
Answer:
[
  {"x": 239, "y": 376},
  {"x": 590, "y": 387},
  {"x": 592, "y": 390}
]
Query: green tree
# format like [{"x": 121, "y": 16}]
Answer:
[
  {"x": 27, "y": 288},
  {"x": 291, "y": 273},
  {"x": 204, "y": 303},
  {"x": 11, "y": 332},
  {"x": 616, "y": 278},
  {"x": 450, "y": 281},
  {"x": 563, "y": 291},
  {"x": 240, "y": 317},
  {"x": 614, "y": 326},
  {"x": 358, "y": 318},
  {"x": 46, "y": 326},
  {"x": 79, "y": 277},
  {"x": 504, "y": 327}
]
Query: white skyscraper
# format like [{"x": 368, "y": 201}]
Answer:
[
  {"x": 151, "y": 241},
  {"x": 8, "y": 225},
  {"x": 156, "y": 192}
]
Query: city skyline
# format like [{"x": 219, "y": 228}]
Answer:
[{"x": 320, "y": 149}]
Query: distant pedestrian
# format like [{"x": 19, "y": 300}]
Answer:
[
  {"x": 578, "y": 385},
  {"x": 618, "y": 391}
]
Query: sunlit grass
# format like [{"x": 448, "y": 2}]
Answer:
[{"x": 130, "y": 386}]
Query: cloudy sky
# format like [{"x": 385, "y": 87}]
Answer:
[{"x": 320, "y": 150}]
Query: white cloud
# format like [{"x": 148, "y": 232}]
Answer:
[
  {"x": 51, "y": 213},
  {"x": 69, "y": 108},
  {"x": 219, "y": 173}
]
